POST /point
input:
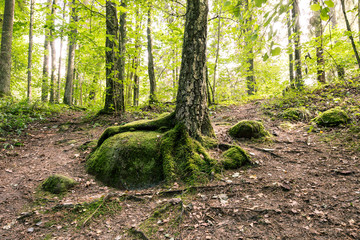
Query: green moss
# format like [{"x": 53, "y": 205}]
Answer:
[
  {"x": 128, "y": 160},
  {"x": 185, "y": 158},
  {"x": 248, "y": 129},
  {"x": 296, "y": 114},
  {"x": 57, "y": 184},
  {"x": 164, "y": 121},
  {"x": 234, "y": 158},
  {"x": 332, "y": 117}
]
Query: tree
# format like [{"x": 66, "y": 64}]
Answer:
[
  {"x": 6, "y": 44},
  {"x": 318, "y": 28},
  {"x": 60, "y": 54},
  {"x": 191, "y": 106},
  {"x": 53, "y": 51},
  {"x": 349, "y": 33},
  {"x": 290, "y": 44},
  {"x": 250, "y": 76},
  {"x": 45, "y": 76},
  {"x": 30, "y": 49},
  {"x": 151, "y": 71},
  {"x": 297, "y": 51},
  {"x": 68, "y": 95}
]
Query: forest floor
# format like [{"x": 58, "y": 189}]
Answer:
[{"x": 302, "y": 187}]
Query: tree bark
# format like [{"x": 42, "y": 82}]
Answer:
[
  {"x": 119, "y": 96},
  {"x": 151, "y": 71},
  {"x": 290, "y": 44},
  {"x": 191, "y": 107},
  {"x": 317, "y": 24},
  {"x": 45, "y": 73},
  {"x": 29, "y": 68},
  {"x": 53, "y": 52},
  {"x": 68, "y": 95},
  {"x": 60, "y": 57},
  {"x": 349, "y": 33},
  {"x": 297, "y": 51},
  {"x": 111, "y": 58}
]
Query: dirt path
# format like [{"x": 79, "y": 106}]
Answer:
[{"x": 301, "y": 188}]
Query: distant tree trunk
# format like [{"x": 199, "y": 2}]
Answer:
[
  {"x": 29, "y": 73},
  {"x": 53, "y": 52},
  {"x": 60, "y": 56},
  {"x": 317, "y": 24},
  {"x": 137, "y": 60},
  {"x": 68, "y": 95},
  {"x": 350, "y": 33},
  {"x": 111, "y": 58},
  {"x": 136, "y": 83},
  {"x": 119, "y": 96},
  {"x": 6, "y": 43},
  {"x": 290, "y": 44},
  {"x": 130, "y": 75},
  {"x": 213, "y": 92},
  {"x": 250, "y": 77},
  {"x": 151, "y": 71},
  {"x": 191, "y": 107},
  {"x": 339, "y": 65},
  {"x": 298, "y": 74},
  {"x": 45, "y": 73}
]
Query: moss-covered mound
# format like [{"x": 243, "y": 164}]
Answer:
[
  {"x": 57, "y": 184},
  {"x": 128, "y": 160},
  {"x": 332, "y": 117},
  {"x": 234, "y": 158},
  {"x": 184, "y": 158},
  {"x": 296, "y": 114},
  {"x": 248, "y": 129}
]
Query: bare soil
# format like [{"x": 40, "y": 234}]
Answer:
[{"x": 299, "y": 188}]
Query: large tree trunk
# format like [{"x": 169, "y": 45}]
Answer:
[
  {"x": 191, "y": 107},
  {"x": 6, "y": 43},
  {"x": 53, "y": 52},
  {"x": 349, "y": 33},
  {"x": 298, "y": 74},
  {"x": 111, "y": 58},
  {"x": 151, "y": 70},
  {"x": 45, "y": 75},
  {"x": 29, "y": 68},
  {"x": 68, "y": 95}
]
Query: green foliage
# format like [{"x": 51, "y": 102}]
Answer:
[
  {"x": 57, "y": 184},
  {"x": 16, "y": 115},
  {"x": 248, "y": 129}
]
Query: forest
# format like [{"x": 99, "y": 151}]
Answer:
[{"x": 179, "y": 119}]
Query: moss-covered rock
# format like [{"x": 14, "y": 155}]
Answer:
[
  {"x": 163, "y": 123},
  {"x": 234, "y": 158},
  {"x": 332, "y": 117},
  {"x": 128, "y": 160},
  {"x": 248, "y": 129},
  {"x": 57, "y": 184},
  {"x": 296, "y": 114}
]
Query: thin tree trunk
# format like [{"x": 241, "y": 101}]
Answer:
[
  {"x": 53, "y": 52},
  {"x": 137, "y": 60},
  {"x": 68, "y": 95},
  {"x": 119, "y": 96},
  {"x": 60, "y": 56},
  {"x": 111, "y": 58},
  {"x": 316, "y": 22},
  {"x": 151, "y": 70},
  {"x": 136, "y": 83},
  {"x": 213, "y": 92},
  {"x": 6, "y": 43},
  {"x": 30, "y": 49},
  {"x": 250, "y": 77},
  {"x": 130, "y": 82},
  {"x": 45, "y": 73},
  {"x": 350, "y": 33},
  {"x": 290, "y": 44},
  {"x": 298, "y": 74},
  {"x": 191, "y": 107}
]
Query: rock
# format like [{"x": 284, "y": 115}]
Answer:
[
  {"x": 234, "y": 158},
  {"x": 128, "y": 160},
  {"x": 296, "y": 114},
  {"x": 332, "y": 117},
  {"x": 248, "y": 129},
  {"x": 57, "y": 184}
]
